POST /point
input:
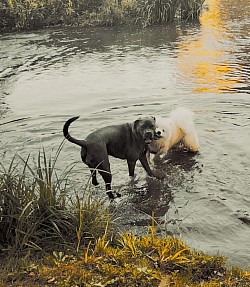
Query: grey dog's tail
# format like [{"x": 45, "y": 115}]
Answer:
[{"x": 68, "y": 136}]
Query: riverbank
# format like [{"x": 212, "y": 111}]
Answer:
[
  {"x": 50, "y": 237},
  {"x": 28, "y": 15},
  {"x": 131, "y": 261}
]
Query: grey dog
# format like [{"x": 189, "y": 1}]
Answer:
[{"x": 126, "y": 141}]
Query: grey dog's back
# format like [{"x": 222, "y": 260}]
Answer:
[
  {"x": 120, "y": 140},
  {"x": 116, "y": 138}
]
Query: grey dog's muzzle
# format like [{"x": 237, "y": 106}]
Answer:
[{"x": 148, "y": 136}]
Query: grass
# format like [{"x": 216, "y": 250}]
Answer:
[
  {"x": 37, "y": 207},
  {"x": 50, "y": 236},
  {"x": 34, "y": 14},
  {"x": 130, "y": 261},
  {"x": 157, "y": 11}
]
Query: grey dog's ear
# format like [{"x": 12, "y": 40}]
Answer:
[{"x": 136, "y": 122}]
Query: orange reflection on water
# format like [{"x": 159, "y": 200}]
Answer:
[{"x": 203, "y": 59}]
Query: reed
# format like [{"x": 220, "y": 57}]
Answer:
[
  {"x": 34, "y": 14},
  {"x": 157, "y": 11},
  {"x": 152, "y": 12},
  {"x": 39, "y": 211},
  {"x": 190, "y": 9}
]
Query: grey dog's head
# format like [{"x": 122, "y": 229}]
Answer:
[{"x": 145, "y": 128}]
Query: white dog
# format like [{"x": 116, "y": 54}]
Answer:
[{"x": 176, "y": 130}]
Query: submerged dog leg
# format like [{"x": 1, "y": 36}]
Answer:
[
  {"x": 148, "y": 156},
  {"x": 94, "y": 179},
  {"x": 163, "y": 151},
  {"x": 191, "y": 142},
  {"x": 131, "y": 167},
  {"x": 144, "y": 162},
  {"x": 107, "y": 177}
]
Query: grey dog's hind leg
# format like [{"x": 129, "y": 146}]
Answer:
[
  {"x": 107, "y": 177},
  {"x": 94, "y": 179}
]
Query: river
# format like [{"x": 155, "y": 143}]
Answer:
[{"x": 116, "y": 74}]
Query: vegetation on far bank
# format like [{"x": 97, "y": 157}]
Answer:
[
  {"x": 52, "y": 236},
  {"x": 34, "y": 14}
]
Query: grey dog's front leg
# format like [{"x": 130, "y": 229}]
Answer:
[
  {"x": 131, "y": 167},
  {"x": 144, "y": 162}
]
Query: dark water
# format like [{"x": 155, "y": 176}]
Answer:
[{"x": 114, "y": 75}]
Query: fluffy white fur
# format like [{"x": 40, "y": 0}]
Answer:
[{"x": 177, "y": 129}]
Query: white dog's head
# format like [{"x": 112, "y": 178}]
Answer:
[
  {"x": 178, "y": 128},
  {"x": 163, "y": 128}
]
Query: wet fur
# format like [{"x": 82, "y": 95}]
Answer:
[
  {"x": 177, "y": 129},
  {"x": 126, "y": 141}
]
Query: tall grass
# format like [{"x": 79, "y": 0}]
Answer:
[
  {"x": 157, "y": 11},
  {"x": 190, "y": 9},
  {"x": 39, "y": 212},
  {"x": 33, "y": 14},
  {"x": 162, "y": 11}
]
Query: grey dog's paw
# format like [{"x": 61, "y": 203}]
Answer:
[{"x": 112, "y": 196}]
